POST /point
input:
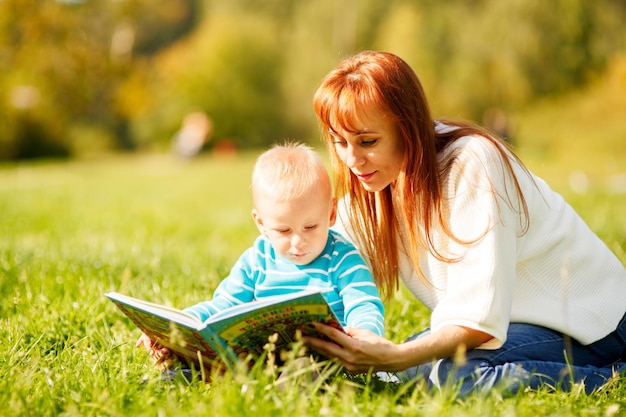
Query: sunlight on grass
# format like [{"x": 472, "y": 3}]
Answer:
[{"x": 168, "y": 231}]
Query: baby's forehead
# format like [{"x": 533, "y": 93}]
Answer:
[
  {"x": 307, "y": 208},
  {"x": 320, "y": 190}
]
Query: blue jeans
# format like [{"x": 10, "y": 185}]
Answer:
[{"x": 532, "y": 356}]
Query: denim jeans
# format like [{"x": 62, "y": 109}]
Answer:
[{"x": 532, "y": 356}]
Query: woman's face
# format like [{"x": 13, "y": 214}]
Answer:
[{"x": 373, "y": 152}]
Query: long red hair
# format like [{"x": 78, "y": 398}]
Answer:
[{"x": 382, "y": 82}]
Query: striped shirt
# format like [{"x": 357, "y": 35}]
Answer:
[{"x": 340, "y": 272}]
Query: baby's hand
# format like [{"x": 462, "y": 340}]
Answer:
[
  {"x": 144, "y": 341},
  {"x": 161, "y": 355}
]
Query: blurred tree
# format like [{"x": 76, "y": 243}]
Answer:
[
  {"x": 230, "y": 69},
  {"x": 75, "y": 57},
  {"x": 307, "y": 44},
  {"x": 130, "y": 70},
  {"x": 476, "y": 55},
  {"x": 157, "y": 24}
]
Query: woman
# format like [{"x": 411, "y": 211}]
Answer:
[{"x": 512, "y": 274}]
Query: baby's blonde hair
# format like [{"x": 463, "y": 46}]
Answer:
[{"x": 287, "y": 171}]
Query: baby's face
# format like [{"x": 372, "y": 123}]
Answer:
[{"x": 297, "y": 228}]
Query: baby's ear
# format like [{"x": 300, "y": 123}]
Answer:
[
  {"x": 333, "y": 212},
  {"x": 258, "y": 221}
]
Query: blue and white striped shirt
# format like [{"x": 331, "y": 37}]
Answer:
[{"x": 340, "y": 272}]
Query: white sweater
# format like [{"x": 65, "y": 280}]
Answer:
[{"x": 558, "y": 274}]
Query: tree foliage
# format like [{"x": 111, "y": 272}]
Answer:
[
  {"x": 62, "y": 64},
  {"x": 77, "y": 73}
]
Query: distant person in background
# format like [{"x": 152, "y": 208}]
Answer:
[
  {"x": 225, "y": 148},
  {"x": 496, "y": 120},
  {"x": 293, "y": 209},
  {"x": 521, "y": 291},
  {"x": 196, "y": 130}
]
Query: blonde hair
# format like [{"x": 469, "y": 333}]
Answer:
[
  {"x": 288, "y": 171},
  {"x": 382, "y": 82}
]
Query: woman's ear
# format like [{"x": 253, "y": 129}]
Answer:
[
  {"x": 333, "y": 212},
  {"x": 258, "y": 221}
]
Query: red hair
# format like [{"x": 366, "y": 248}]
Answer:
[{"x": 372, "y": 82}]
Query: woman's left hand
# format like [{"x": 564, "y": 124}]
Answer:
[{"x": 358, "y": 350}]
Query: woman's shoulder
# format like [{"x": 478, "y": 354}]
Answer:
[
  {"x": 472, "y": 140},
  {"x": 478, "y": 161},
  {"x": 474, "y": 145},
  {"x": 472, "y": 152}
]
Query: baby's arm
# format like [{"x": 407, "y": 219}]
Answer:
[
  {"x": 363, "y": 307},
  {"x": 364, "y": 310}
]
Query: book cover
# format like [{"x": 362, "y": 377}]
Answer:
[
  {"x": 184, "y": 335},
  {"x": 232, "y": 333}
]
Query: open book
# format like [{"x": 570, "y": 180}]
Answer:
[{"x": 232, "y": 333}]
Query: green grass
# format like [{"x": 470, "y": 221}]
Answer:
[{"x": 167, "y": 231}]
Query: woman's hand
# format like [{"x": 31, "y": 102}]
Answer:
[{"x": 358, "y": 350}]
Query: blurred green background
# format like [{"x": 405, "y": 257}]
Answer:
[
  {"x": 93, "y": 94},
  {"x": 86, "y": 77}
]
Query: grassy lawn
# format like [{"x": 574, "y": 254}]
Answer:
[{"x": 167, "y": 231}]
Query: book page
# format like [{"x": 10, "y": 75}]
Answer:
[
  {"x": 258, "y": 304},
  {"x": 167, "y": 312},
  {"x": 248, "y": 331}
]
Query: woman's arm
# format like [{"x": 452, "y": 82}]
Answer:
[{"x": 360, "y": 351}]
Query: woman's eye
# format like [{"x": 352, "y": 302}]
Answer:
[{"x": 369, "y": 142}]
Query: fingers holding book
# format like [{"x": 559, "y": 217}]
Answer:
[{"x": 162, "y": 356}]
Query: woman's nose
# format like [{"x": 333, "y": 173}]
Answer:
[{"x": 353, "y": 157}]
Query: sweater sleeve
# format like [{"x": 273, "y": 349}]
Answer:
[
  {"x": 484, "y": 209},
  {"x": 363, "y": 307}
]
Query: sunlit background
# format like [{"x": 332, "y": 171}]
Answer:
[
  {"x": 119, "y": 120},
  {"x": 84, "y": 77}
]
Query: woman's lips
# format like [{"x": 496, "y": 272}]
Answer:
[{"x": 365, "y": 177}]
